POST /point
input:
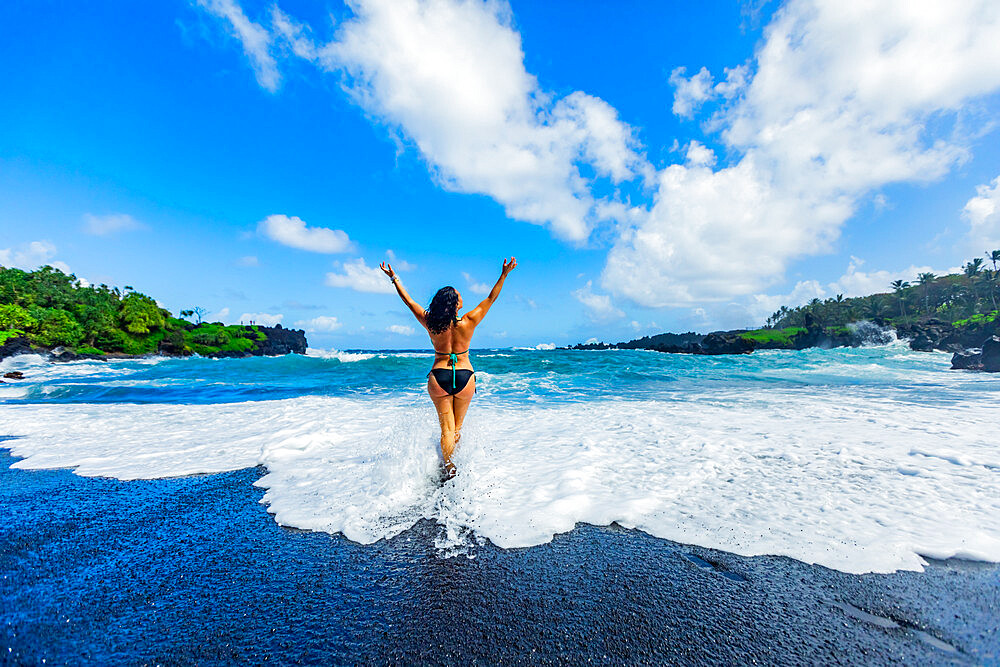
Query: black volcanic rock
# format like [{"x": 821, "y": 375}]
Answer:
[
  {"x": 15, "y": 346},
  {"x": 934, "y": 334},
  {"x": 985, "y": 358},
  {"x": 991, "y": 355},
  {"x": 281, "y": 341},
  {"x": 968, "y": 360},
  {"x": 725, "y": 342},
  {"x": 662, "y": 341}
]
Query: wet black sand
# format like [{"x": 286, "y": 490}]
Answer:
[{"x": 194, "y": 570}]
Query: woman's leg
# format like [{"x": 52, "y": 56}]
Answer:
[
  {"x": 446, "y": 418},
  {"x": 461, "y": 405}
]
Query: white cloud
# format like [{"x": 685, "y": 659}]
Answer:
[
  {"x": 736, "y": 81},
  {"x": 762, "y": 306},
  {"x": 690, "y": 92},
  {"x": 839, "y": 105},
  {"x": 475, "y": 287},
  {"x": 295, "y": 35},
  {"x": 855, "y": 282},
  {"x": 30, "y": 256},
  {"x": 293, "y": 232},
  {"x": 248, "y": 260},
  {"x": 838, "y": 101},
  {"x": 218, "y": 316},
  {"x": 983, "y": 214},
  {"x": 398, "y": 264},
  {"x": 450, "y": 76},
  {"x": 263, "y": 319},
  {"x": 256, "y": 40},
  {"x": 360, "y": 277},
  {"x": 599, "y": 306},
  {"x": 103, "y": 225},
  {"x": 714, "y": 234},
  {"x": 698, "y": 155},
  {"x": 320, "y": 324},
  {"x": 401, "y": 329}
]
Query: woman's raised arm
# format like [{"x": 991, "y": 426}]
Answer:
[
  {"x": 477, "y": 314},
  {"x": 417, "y": 310}
]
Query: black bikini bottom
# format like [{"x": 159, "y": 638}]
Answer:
[{"x": 444, "y": 379}]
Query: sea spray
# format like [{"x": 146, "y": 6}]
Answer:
[{"x": 869, "y": 334}]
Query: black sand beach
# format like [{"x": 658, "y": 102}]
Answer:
[{"x": 194, "y": 570}]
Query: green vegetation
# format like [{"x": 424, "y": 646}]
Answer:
[
  {"x": 13, "y": 333},
  {"x": 978, "y": 319},
  {"x": 966, "y": 299},
  {"x": 52, "y": 309},
  {"x": 769, "y": 337}
]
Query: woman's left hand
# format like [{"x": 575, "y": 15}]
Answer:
[{"x": 388, "y": 269}]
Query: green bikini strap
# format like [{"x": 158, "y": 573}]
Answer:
[{"x": 453, "y": 358}]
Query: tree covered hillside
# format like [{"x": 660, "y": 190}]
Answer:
[
  {"x": 50, "y": 308},
  {"x": 964, "y": 299}
]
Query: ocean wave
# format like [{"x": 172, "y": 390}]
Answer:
[
  {"x": 824, "y": 474},
  {"x": 362, "y": 356},
  {"x": 338, "y": 355}
]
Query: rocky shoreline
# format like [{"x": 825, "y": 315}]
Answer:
[
  {"x": 276, "y": 341},
  {"x": 975, "y": 346}
]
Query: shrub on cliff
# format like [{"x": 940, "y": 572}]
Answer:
[
  {"x": 55, "y": 326},
  {"x": 140, "y": 314},
  {"x": 13, "y": 317}
]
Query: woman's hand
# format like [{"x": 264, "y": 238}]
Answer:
[
  {"x": 388, "y": 270},
  {"x": 508, "y": 266}
]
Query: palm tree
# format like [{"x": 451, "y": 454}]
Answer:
[
  {"x": 993, "y": 256},
  {"x": 815, "y": 310},
  {"x": 972, "y": 269},
  {"x": 990, "y": 279},
  {"x": 877, "y": 307},
  {"x": 899, "y": 286},
  {"x": 925, "y": 280}
]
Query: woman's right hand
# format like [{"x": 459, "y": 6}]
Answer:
[
  {"x": 508, "y": 266},
  {"x": 388, "y": 269}
]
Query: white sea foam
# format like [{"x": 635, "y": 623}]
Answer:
[
  {"x": 361, "y": 356},
  {"x": 851, "y": 480},
  {"x": 338, "y": 355}
]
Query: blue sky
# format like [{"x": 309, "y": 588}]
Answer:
[{"x": 246, "y": 156}]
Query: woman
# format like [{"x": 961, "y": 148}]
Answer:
[{"x": 451, "y": 382}]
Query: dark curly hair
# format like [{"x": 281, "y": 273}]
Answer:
[{"x": 441, "y": 313}]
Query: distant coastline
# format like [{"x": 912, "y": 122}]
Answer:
[
  {"x": 955, "y": 313},
  {"x": 55, "y": 314}
]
